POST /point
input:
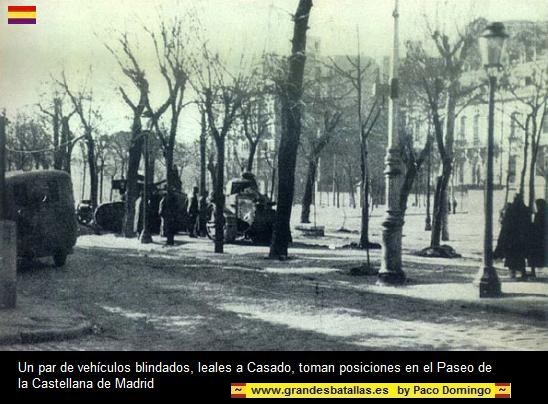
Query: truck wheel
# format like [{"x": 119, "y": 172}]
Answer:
[{"x": 60, "y": 258}]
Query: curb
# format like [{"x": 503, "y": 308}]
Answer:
[
  {"x": 46, "y": 335},
  {"x": 534, "y": 313}
]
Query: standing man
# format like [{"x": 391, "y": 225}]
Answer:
[
  {"x": 193, "y": 211},
  {"x": 168, "y": 213}
]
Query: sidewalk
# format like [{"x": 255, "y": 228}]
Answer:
[
  {"x": 34, "y": 321},
  {"x": 528, "y": 298}
]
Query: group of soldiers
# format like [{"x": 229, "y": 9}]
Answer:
[
  {"x": 170, "y": 211},
  {"x": 522, "y": 240}
]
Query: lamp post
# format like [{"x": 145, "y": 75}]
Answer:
[
  {"x": 145, "y": 237},
  {"x": 391, "y": 272},
  {"x": 491, "y": 47}
]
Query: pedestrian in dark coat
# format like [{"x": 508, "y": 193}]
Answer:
[
  {"x": 513, "y": 239},
  {"x": 537, "y": 239},
  {"x": 168, "y": 213},
  {"x": 203, "y": 215},
  {"x": 193, "y": 212}
]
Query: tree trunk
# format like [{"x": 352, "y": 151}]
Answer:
[
  {"x": 364, "y": 234},
  {"x": 84, "y": 170},
  {"x": 168, "y": 157},
  {"x": 291, "y": 131},
  {"x": 532, "y": 167},
  {"x": 218, "y": 195},
  {"x": 273, "y": 183},
  {"x": 440, "y": 205},
  {"x": 351, "y": 186},
  {"x": 407, "y": 186},
  {"x": 93, "y": 175},
  {"x": 132, "y": 189},
  {"x": 525, "y": 156},
  {"x": 66, "y": 141},
  {"x": 445, "y": 214},
  {"x": 59, "y": 146},
  {"x": 448, "y": 160},
  {"x": 251, "y": 156},
  {"x": 203, "y": 140},
  {"x": 203, "y": 191},
  {"x": 309, "y": 189},
  {"x": 102, "y": 174},
  {"x": 172, "y": 181}
]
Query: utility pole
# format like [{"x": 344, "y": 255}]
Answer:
[{"x": 391, "y": 272}]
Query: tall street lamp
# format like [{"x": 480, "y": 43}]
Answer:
[
  {"x": 391, "y": 272},
  {"x": 491, "y": 48}
]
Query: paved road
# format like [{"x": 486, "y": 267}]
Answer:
[{"x": 139, "y": 301}]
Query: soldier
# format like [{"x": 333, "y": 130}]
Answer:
[
  {"x": 193, "y": 211},
  {"x": 168, "y": 213},
  {"x": 512, "y": 243},
  {"x": 537, "y": 239}
]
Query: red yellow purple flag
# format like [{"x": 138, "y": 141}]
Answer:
[{"x": 21, "y": 14}]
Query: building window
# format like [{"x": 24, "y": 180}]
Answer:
[
  {"x": 513, "y": 124},
  {"x": 512, "y": 170},
  {"x": 476, "y": 129},
  {"x": 417, "y": 131},
  {"x": 462, "y": 132}
]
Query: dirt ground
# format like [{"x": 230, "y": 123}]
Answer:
[{"x": 187, "y": 298}]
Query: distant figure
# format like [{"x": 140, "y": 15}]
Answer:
[
  {"x": 537, "y": 239},
  {"x": 513, "y": 239},
  {"x": 138, "y": 218},
  {"x": 203, "y": 215},
  {"x": 193, "y": 212},
  {"x": 454, "y": 206},
  {"x": 168, "y": 214}
]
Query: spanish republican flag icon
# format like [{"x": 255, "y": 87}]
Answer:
[{"x": 21, "y": 14}]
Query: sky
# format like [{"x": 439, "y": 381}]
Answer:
[{"x": 70, "y": 36}]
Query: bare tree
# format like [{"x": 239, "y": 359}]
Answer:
[
  {"x": 132, "y": 70},
  {"x": 533, "y": 97},
  {"x": 438, "y": 85},
  {"x": 171, "y": 48},
  {"x": 318, "y": 137},
  {"x": 221, "y": 95},
  {"x": 367, "y": 117},
  {"x": 82, "y": 101},
  {"x": 454, "y": 57},
  {"x": 413, "y": 164},
  {"x": 254, "y": 114},
  {"x": 61, "y": 135},
  {"x": 291, "y": 93}
]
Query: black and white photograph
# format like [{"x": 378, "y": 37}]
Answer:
[{"x": 260, "y": 175}]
